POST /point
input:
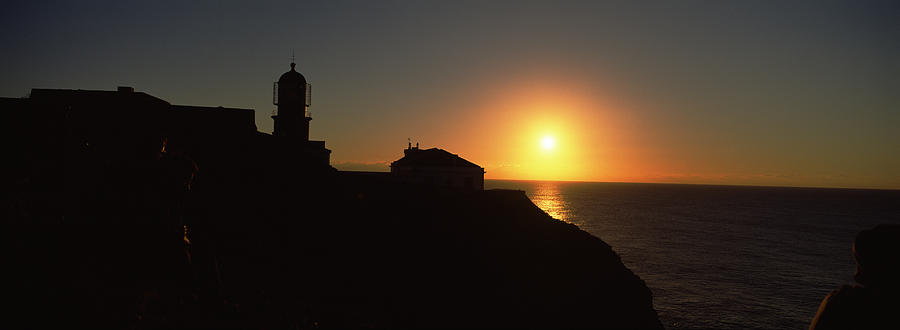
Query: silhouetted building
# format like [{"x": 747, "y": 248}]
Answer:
[
  {"x": 292, "y": 97},
  {"x": 437, "y": 167},
  {"x": 80, "y": 150},
  {"x": 68, "y": 142}
]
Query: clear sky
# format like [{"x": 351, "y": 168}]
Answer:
[{"x": 724, "y": 92}]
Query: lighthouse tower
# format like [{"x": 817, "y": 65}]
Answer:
[{"x": 291, "y": 96}]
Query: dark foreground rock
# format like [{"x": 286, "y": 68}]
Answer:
[{"x": 349, "y": 255}]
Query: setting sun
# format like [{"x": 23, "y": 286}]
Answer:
[{"x": 548, "y": 143}]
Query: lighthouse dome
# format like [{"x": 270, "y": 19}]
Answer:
[{"x": 292, "y": 78}]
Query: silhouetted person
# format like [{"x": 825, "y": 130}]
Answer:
[{"x": 874, "y": 302}]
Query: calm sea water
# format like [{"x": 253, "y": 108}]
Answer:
[{"x": 724, "y": 257}]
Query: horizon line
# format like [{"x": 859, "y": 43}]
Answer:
[{"x": 701, "y": 184}]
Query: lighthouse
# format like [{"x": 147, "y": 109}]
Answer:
[{"x": 291, "y": 97}]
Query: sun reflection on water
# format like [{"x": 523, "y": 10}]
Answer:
[{"x": 546, "y": 196}]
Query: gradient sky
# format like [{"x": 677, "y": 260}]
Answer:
[{"x": 724, "y": 92}]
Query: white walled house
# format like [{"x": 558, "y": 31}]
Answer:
[{"x": 437, "y": 167}]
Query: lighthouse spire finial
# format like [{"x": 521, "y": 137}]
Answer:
[{"x": 292, "y": 60}]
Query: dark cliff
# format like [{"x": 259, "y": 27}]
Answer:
[
  {"x": 484, "y": 259},
  {"x": 95, "y": 225}
]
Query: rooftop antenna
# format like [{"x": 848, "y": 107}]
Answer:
[
  {"x": 292, "y": 55},
  {"x": 409, "y": 143}
]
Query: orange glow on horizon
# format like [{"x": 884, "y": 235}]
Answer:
[
  {"x": 507, "y": 127},
  {"x": 544, "y": 128},
  {"x": 560, "y": 133}
]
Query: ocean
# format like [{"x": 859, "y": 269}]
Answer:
[{"x": 724, "y": 257}]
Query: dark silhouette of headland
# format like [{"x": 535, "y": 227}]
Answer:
[{"x": 124, "y": 211}]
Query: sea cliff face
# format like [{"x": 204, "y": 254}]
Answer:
[
  {"x": 442, "y": 258},
  {"x": 333, "y": 253}
]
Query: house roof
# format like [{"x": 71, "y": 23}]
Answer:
[
  {"x": 215, "y": 118},
  {"x": 123, "y": 95},
  {"x": 433, "y": 157}
]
